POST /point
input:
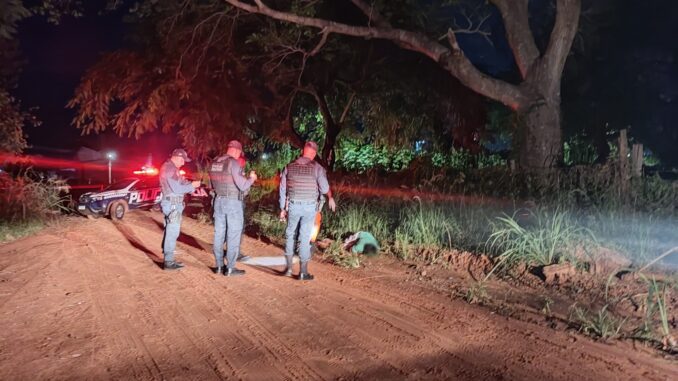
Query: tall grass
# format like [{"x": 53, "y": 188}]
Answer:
[
  {"x": 27, "y": 202},
  {"x": 548, "y": 238},
  {"x": 352, "y": 217}
]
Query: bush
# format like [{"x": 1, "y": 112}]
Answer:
[
  {"x": 28, "y": 202},
  {"x": 27, "y": 198},
  {"x": 552, "y": 238}
]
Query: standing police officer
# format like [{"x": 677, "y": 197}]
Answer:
[
  {"x": 229, "y": 185},
  {"x": 301, "y": 184},
  {"x": 174, "y": 187}
]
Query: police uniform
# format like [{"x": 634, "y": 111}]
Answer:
[
  {"x": 229, "y": 185},
  {"x": 301, "y": 184},
  {"x": 174, "y": 187}
]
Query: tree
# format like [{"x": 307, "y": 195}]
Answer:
[
  {"x": 536, "y": 98},
  {"x": 12, "y": 117}
]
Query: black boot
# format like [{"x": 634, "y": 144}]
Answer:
[
  {"x": 173, "y": 265},
  {"x": 303, "y": 274},
  {"x": 234, "y": 272},
  {"x": 290, "y": 262},
  {"x": 219, "y": 270}
]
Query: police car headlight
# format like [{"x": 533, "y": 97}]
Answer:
[{"x": 97, "y": 198}]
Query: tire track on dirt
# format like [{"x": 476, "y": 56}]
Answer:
[
  {"x": 261, "y": 344},
  {"x": 378, "y": 324},
  {"x": 156, "y": 314},
  {"x": 320, "y": 332}
]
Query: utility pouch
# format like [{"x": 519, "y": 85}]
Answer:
[{"x": 174, "y": 215}]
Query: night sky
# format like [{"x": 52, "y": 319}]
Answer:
[{"x": 57, "y": 56}]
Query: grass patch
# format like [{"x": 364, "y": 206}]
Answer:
[
  {"x": 342, "y": 258},
  {"x": 268, "y": 225},
  {"x": 11, "y": 231},
  {"x": 542, "y": 239},
  {"x": 601, "y": 323}
]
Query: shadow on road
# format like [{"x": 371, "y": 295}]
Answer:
[{"x": 134, "y": 241}]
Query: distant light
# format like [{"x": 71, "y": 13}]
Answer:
[
  {"x": 264, "y": 156},
  {"x": 150, "y": 171},
  {"x": 111, "y": 155},
  {"x": 182, "y": 172}
]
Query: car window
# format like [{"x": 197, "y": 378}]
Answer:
[
  {"x": 146, "y": 183},
  {"x": 122, "y": 184},
  {"x": 139, "y": 185}
]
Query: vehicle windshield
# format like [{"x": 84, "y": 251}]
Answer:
[{"x": 122, "y": 184}]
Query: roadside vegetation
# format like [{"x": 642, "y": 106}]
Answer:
[
  {"x": 28, "y": 203},
  {"x": 571, "y": 234}
]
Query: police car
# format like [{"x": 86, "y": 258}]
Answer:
[
  {"x": 120, "y": 197},
  {"x": 142, "y": 192}
]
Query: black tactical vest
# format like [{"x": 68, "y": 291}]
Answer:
[
  {"x": 221, "y": 178},
  {"x": 302, "y": 183}
]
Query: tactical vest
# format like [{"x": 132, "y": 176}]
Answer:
[
  {"x": 302, "y": 184},
  {"x": 168, "y": 170},
  {"x": 221, "y": 178}
]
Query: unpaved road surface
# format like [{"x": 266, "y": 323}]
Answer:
[{"x": 87, "y": 300}]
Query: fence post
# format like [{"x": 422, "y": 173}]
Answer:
[
  {"x": 637, "y": 160},
  {"x": 623, "y": 165}
]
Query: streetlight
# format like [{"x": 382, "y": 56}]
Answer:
[{"x": 110, "y": 156}]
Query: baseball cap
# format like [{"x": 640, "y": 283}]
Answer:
[
  {"x": 311, "y": 144},
  {"x": 235, "y": 144},
  {"x": 181, "y": 153}
]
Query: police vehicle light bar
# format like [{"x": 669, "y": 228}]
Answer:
[{"x": 150, "y": 171}]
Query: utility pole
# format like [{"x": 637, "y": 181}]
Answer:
[{"x": 111, "y": 157}]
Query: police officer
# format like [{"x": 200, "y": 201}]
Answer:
[
  {"x": 229, "y": 185},
  {"x": 301, "y": 184},
  {"x": 174, "y": 187}
]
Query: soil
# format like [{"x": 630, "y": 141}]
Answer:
[{"x": 87, "y": 300}]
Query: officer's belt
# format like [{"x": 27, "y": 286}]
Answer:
[
  {"x": 303, "y": 202},
  {"x": 231, "y": 196},
  {"x": 174, "y": 199}
]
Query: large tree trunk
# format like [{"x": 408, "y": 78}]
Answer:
[{"x": 539, "y": 137}]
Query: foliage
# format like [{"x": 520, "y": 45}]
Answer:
[
  {"x": 268, "y": 164},
  {"x": 352, "y": 217},
  {"x": 11, "y": 231},
  {"x": 477, "y": 293},
  {"x": 656, "y": 304},
  {"x": 268, "y": 225},
  {"x": 356, "y": 156},
  {"x": 12, "y": 121},
  {"x": 600, "y": 324},
  {"x": 28, "y": 198},
  {"x": 13, "y": 11},
  {"x": 577, "y": 151},
  {"x": 338, "y": 256},
  {"x": 542, "y": 239}
]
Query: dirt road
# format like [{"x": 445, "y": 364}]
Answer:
[{"x": 87, "y": 300}]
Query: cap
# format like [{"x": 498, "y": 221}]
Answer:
[
  {"x": 235, "y": 144},
  {"x": 181, "y": 153},
  {"x": 311, "y": 144}
]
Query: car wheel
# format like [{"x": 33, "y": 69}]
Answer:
[{"x": 118, "y": 210}]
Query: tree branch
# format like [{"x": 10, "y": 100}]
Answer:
[
  {"x": 372, "y": 14},
  {"x": 562, "y": 36},
  {"x": 520, "y": 38},
  {"x": 457, "y": 64}
]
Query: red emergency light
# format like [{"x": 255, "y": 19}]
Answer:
[{"x": 149, "y": 171}]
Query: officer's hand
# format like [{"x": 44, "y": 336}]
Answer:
[
  {"x": 196, "y": 184},
  {"x": 253, "y": 175},
  {"x": 283, "y": 215},
  {"x": 332, "y": 204}
]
